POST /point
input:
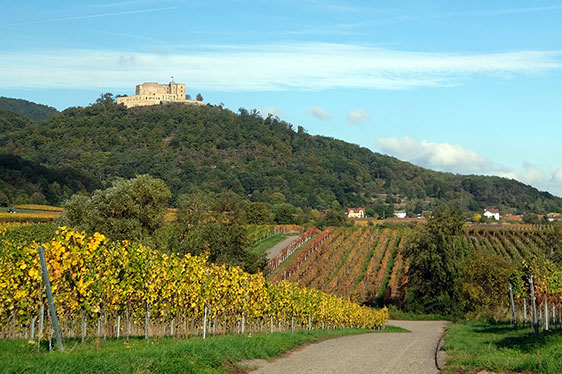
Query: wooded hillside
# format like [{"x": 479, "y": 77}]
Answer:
[{"x": 213, "y": 149}]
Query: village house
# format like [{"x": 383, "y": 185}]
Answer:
[
  {"x": 355, "y": 213},
  {"x": 492, "y": 213},
  {"x": 400, "y": 214}
]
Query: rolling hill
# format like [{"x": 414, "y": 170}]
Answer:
[{"x": 261, "y": 159}]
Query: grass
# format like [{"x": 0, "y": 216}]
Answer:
[
  {"x": 497, "y": 347},
  {"x": 167, "y": 355},
  {"x": 263, "y": 245},
  {"x": 397, "y": 314},
  {"x": 281, "y": 268}
]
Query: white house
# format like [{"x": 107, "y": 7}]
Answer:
[
  {"x": 492, "y": 213},
  {"x": 355, "y": 212},
  {"x": 399, "y": 214}
]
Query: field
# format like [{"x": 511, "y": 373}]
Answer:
[
  {"x": 366, "y": 263},
  {"x": 497, "y": 347}
]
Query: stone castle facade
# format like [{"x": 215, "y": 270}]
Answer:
[{"x": 153, "y": 93}]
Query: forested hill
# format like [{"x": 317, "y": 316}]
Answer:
[
  {"x": 212, "y": 149},
  {"x": 37, "y": 112}
]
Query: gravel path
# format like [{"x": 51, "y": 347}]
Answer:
[
  {"x": 274, "y": 251},
  {"x": 392, "y": 353}
]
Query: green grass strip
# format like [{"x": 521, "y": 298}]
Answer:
[
  {"x": 497, "y": 347},
  {"x": 263, "y": 245},
  {"x": 165, "y": 355}
]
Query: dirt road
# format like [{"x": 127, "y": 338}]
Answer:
[
  {"x": 393, "y": 353},
  {"x": 273, "y": 251}
]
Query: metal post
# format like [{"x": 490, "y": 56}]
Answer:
[
  {"x": 50, "y": 297},
  {"x": 512, "y": 305},
  {"x": 546, "y": 312},
  {"x": 205, "y": 322},
  {"x": 533, "y": 305},
  {"x": 118, "y": 325},
  {"x": 146, "y": 321},
  {"x": 271, "y": 324},
  {"x": 525, "y": 312}
]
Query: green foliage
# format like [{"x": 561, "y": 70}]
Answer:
[
  {"x": 129, "y": 209},
  {"x": 215, "y": 226},
  {"x": 436, "y": 264},
  {"x": 485, "y": 281},
  {"x": 37, "y": 112},
  {"x": 265, "y": 160},
  {"x": 333, "y": 217},
  {"x": 22, "y": 181},
  {"x": 258, "y": 213}
]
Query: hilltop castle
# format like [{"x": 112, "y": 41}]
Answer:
[{"x": 153, "y": 93}]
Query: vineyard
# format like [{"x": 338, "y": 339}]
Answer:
[
  {"x": 366, "y": 264},
  {"x": 106, "y": 288}
]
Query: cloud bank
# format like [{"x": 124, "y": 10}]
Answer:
[
  {"x": 312, "y": 66},
  {"x": 456, "y": 159}
]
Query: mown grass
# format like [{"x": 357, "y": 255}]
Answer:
[
  {"x": 497, "y": 347},
  {"x": 166, "y": 355},
  {"x": 263, "y": 245}
]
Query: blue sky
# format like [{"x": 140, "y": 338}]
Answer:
[{"x": 470, "y": 87}]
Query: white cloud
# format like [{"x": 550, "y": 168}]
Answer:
[
  {"x": 557, "y": 177},
  {"x": 312, "y": 66},
  {"x": 456, "y": 159},
  {"x": 275, "y": 112},
  {"x": 439, "y": 156},
  {"x": 319, "y": 113},
  {"x": 357, "y": 116}
]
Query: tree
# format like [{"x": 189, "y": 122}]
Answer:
[
  {"x": 106, "y": 99},
  {"x": 333, "y": 217},
  {"x": 436, "y": 264},
  {"x": 199, "y": 97},
  {"x": 128, "y": 210},
  {"x": 215, "y": 227},
  {"x": 258, "y": 213}
]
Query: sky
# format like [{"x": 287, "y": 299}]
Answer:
[{"x": 469, "y": 87}]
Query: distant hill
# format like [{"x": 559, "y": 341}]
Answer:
[
  {"x": 11, "y": 121},
  {"x": 212, "y": 149},
  {"x": 23, "y": 181},
  {"x": 36, "y": 112}
]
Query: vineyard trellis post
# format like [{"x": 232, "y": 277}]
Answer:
[
  {"x": 47, "y": 281},
  {"x": 533, "y": 304},
  {"x": 512, "y": 306}
]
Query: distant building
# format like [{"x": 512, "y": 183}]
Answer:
[
  {"x": 492, "y": 213},
  {"x": 515, "y": 217},
  {"x": 399, "y": 214},
  {"x": 355, "y": 212},
  {"x": 553, "y": 217},
  {"x": 153, "y": 93}
]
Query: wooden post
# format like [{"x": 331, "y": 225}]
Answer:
[
  {"x": 512, "y": 306},
  {"x": 533, "y": 305},
  {"x": 33, "y": 327},
  {"x": 47, "y": 281}
]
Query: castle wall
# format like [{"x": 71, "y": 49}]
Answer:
[{"x": 153, "y": 93}]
